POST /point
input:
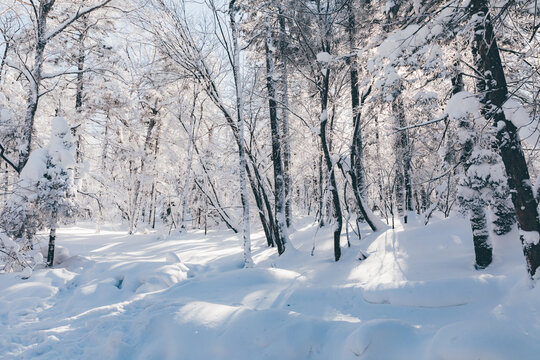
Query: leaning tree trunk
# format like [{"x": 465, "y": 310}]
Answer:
[{"x": 494, "y": 92}]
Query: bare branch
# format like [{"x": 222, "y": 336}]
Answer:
[{"x": 74, "y": 18}]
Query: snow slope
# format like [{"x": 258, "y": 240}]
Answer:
[{"x": 186, "y": 296}]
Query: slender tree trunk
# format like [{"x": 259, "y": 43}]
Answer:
[
  {"x": 52, "y": 240},
  {"x": 137, "y": 196},
  {"x": 494, "y": 93},
  {"x": 79, "y": 94},
  {"x": 279, "y": 191},
  {"x": 357, "y": 144},
  {"x": 403, "y": 162},
  {"x": 34, "y": 82},
  {"x": 6, "y": 185},
  {"x": 187, "y": 181},
  {"x": 286, "y": 140},
  {"x": 248, "y": 261},
  {"x": 337, "y": 213},
  {"x": 4, "y": 57}
]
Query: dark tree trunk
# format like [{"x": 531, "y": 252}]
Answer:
[
  {"x": 4, "y": 57},
  {"x": 357, "y": 156},
  {"x": 338, "y": 216},
  {"x": 79, "y": 94},
  {"x": 50, "y": 252},
  {"x": 279, "y": 191},
  {"x": 482, "y": 246},
  {"x": 494, "y": 93},
  {"x": 285, "y": 141},
  {"x": 52, "y": 239},
  {"x": 403, "y": 159},
  {"x": 34, "y": 84},
  {"x": 477, "y": 216}
]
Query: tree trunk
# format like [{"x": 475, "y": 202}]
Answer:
[
  {"x": 482, "y": 246},
  {"x": 357, "y": 162},
  {"x": 248, "y": 261},
  {"x": 34, "y": 82},
  {"x": 286, "y": 140},
  {"x": 403, "y": 161},
  {"x": 338, "y": 216},
  {"x": 50, "y": 252},
  {"x": 279, "y": 191},
  {"x": 494, "y": 93},
  {"x": 137, "y": 196},
  {"x": 52, "y": 239}
]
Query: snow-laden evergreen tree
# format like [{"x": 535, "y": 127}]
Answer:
[
  {"x": 484, "y": 184},
  {"x": 55, "y": 189},
  {"x": 42, "y": 197}
]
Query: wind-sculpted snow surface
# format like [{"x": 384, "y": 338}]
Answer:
[{"x": 186, "y": 296}]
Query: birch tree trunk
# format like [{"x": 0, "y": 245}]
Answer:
[
  {"x": 248, "y": 261},
  {"x": 137, "y": 196}
]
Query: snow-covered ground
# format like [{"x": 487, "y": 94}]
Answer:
[{"x": 186, "y": 296}]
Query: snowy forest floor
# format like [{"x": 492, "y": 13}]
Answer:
[{"x": 417, "y": 296}]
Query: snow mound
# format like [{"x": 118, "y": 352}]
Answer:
[
  {"x": 160, "y": 278},
  {"x": 482, "y": 340},
  {"x": 442, "y": 293},
  {"x": 382, "y": 340}
]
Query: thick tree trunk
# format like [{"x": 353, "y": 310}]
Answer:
[
  {"x": 494, "y": 93},
  {"x": 482, "y": 246}
]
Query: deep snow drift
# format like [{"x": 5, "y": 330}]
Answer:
[{"x": 186, "y": 296}]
